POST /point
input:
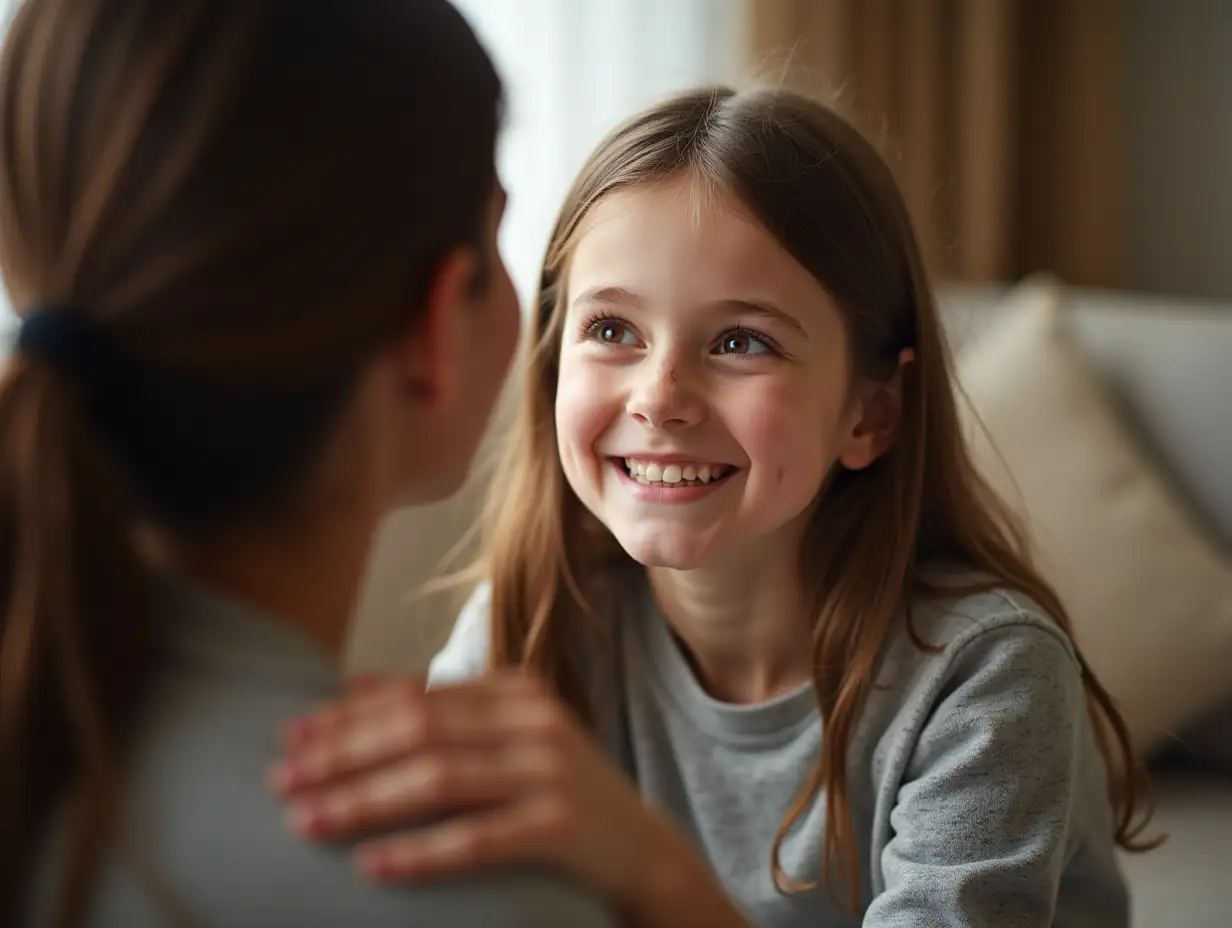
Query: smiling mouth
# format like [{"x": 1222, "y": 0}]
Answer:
[{"x": 676, "y": 474}]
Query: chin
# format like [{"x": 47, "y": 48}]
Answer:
[{"x": 673, "y": 550}]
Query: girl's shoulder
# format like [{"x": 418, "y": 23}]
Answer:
[
  {"x": 995, "y": 634},
  {"x": 951, "y": 621},
  {"x": 978, "y": 681}
]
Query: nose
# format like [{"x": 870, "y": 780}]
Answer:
[{"x": 663, "y": 397}]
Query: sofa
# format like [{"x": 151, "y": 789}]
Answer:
[
  {"x": 1159, "y": 370},
  {"x": 1120, "y": 459}
]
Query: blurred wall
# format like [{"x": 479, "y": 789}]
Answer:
[{"x": 1179, "y": 123}]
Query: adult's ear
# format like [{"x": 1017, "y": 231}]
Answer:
[
  {"x": 428, "y": 355},
  {"x": 876, "y": 419}
]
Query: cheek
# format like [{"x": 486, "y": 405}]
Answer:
[
  {"x": 585, "y": 410},
  {"x": 510, "y": 328},
  {"x": 789, "y": 430},
  {"x": 492, "y": 341}
]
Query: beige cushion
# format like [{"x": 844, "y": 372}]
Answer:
[{"x": 1150, "y": 596}]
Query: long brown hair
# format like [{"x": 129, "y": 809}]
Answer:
[
  {"x": 829, "y": 199},
  {"x": 242, "y": 201}
]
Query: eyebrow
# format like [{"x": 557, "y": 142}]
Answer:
[{"x": 619, "y": 296}]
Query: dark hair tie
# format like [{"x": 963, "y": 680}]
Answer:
[
  {"x": 68, "y": 340},
  {"x": 180, "y": 437}
]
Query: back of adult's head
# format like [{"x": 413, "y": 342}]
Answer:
[{"x": 213, "y": 214}]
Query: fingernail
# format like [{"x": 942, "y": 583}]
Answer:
[
  {"x": 377, "y": 863},
  {"x": 286, "y": 776},
  {"x": 300, "y": 730},
  {"x": 309, "y": 819}
]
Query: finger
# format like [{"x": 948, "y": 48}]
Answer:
[
  {"x": 376, "y": 696},
  {"x": 382, "y": 732},
  {"x": 421, "y": 788},
  {"x": 532, "y": 832},
  {"x": 368, "y": 737},
  {"x": 329, "y": 716}
]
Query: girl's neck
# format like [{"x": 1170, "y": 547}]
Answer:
[
  {"x": 309, "y": 579},
  {"x": 744, "y": 627}
]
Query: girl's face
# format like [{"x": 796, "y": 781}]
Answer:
[{"x": 704, "y": 391}]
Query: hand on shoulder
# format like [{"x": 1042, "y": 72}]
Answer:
[{"x": 490, "y": 772}]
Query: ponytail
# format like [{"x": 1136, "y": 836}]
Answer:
[{"x": 76, "y": 617}]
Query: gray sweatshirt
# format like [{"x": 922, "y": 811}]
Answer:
[
  {"x": 977, "y": 792},
  {"x": 197, "y": 808}
]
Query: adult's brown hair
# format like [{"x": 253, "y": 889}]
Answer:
[{"x": 217, "y": 211}]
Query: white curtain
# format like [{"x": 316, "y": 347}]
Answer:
[{"x": 572, "y": 70}]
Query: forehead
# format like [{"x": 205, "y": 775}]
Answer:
[{"x": 686, "y": 242}]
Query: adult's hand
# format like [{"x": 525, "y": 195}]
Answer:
[{"x": 486, "y": 773}]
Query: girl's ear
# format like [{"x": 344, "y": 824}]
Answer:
[{"x": 878, "y": 412}]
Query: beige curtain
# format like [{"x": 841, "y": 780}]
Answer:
[{"x": 1002, "y": 119}]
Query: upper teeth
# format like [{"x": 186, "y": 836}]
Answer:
[{"x": 653, "y": 472}]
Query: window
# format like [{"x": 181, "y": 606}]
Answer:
[{"x": 572, "y": 70}]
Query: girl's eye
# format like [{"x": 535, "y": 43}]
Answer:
[
  {"x": 610, "y": 331},
  {"x": 744, "y": 343}
]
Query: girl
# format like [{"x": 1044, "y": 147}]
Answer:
[
  {"x": 738, "y": 542},
  {"x": 254, "y": 246}
]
